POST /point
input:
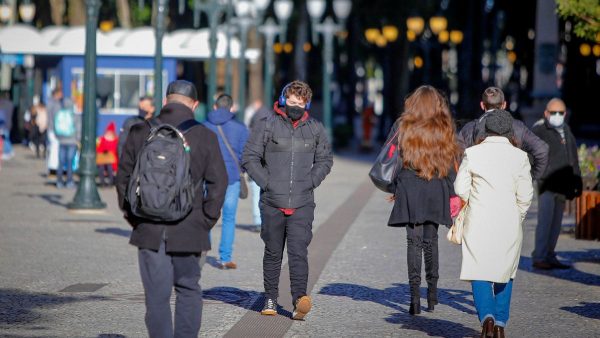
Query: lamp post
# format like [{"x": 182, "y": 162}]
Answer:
[
  {"x": 213, "y": 10},
  {"x": 270, "y": 31},
  {"x": 244, "y": 20},
  {"x": 87, "y": 196},
  {"x": 328, "y": 29},
  {"x": 159, "y": 32}
]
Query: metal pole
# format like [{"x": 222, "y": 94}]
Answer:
[
  {"x": 158, "y": 67},
  {"x": 87, "y": 196},
  {"x": 244, "y": 26},
  {"x": 269, "y": 29},
  {"x": 212, "y": 40},
  {"x": 327, "y": 29},
  {"x": 228, "y": 65}
]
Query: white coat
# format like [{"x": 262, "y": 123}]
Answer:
[{"x": 494, "y": 177}]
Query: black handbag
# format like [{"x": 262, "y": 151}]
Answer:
[{"x": 384, "y": 169}]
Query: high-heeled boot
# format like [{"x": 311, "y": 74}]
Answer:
[
  {"x": 415, "y": 300},
  {"x": 432, "y": 299}
]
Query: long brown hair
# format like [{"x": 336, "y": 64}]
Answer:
[{"x": 427, "y": 134}]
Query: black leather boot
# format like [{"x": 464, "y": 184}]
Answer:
[{"x": 415, "y": 300}]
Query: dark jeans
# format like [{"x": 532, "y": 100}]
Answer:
[
  {"x": 296, "y": 229},
  {"x": 422, "y": 238},
  {"x": 106, "y": 174},
  {"x": 39, "y": 140},
  {"x": 550, "y": 214},
  {"x": 161, "y": 271},
  {"x": 66, "y": 154}
]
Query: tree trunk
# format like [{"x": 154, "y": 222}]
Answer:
[
  {"x": 124, "y": 13},
  {"x": 57, "y": 11},
  {"x": 76, "y": 13}
]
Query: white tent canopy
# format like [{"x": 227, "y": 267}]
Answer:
[{"x": 65, "y": 40}]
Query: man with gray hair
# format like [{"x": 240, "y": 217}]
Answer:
[
  {"x": 561, "y": 181},
  {"x": 473, "y": 132}
]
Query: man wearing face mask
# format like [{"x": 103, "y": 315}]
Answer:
[
  {"x": 288, "y": 155},
  {"x": 561, "y": 181}
]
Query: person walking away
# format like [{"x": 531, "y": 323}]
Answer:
[
  {"x": 494, "y": 180},
  {"x": 6, "y": 114},
  {"x": 66, "y": 126},
  {"x": 426, "y": 140},
  {"x": 473, "y": 132},
  {"x": 106, "y": 155},
  {"x": 232, "y": 137},
  {"x": 288, "y": 155},
  {"x": 561, "y": 182},
  {"x": 39, "y": 122},
  {"x": 169, "y": 252},
  {"x": 145, "y": 112},
  {"x": 260, "y": 112}
]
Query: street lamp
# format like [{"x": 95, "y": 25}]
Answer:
[
  {"x": 283, "y": 11},
  {"x": 27, "y": 11},
  {"x": 328, "y": 29},
  {"x": 5, "y": 12},
  {"x": 243, "y": 11},
  {"x": 159, "y": 31},
  {"x": 87, "y": 196},
  {"x": 269, "y": 30}
]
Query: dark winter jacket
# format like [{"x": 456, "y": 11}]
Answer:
[
  {"x": 287, "y": 162},
  {"x": 237, "y": 135},
  {"x": 126, "y": 127},
  {"x": 419, "y": 201},
  {"x": 562, "y": 174},
  {"x": 191, "y": 233},
  {"x": 525, "y": 139}
]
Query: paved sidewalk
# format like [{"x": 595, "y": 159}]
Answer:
[{"x": 74, "y": 275}]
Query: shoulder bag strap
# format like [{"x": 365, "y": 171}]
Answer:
[{"x": 229, "y": 148}]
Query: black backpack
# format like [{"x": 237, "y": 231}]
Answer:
[{"x": 161, "y": 188}]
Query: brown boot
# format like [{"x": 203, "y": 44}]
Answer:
[
  {"x": 487, "y": 329},
  {"x": 498, "y": 332}
]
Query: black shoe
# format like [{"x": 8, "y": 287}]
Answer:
[
  {"x": 415, "y": 307},
  {"x": 431, "y": 298},
  {"x": 270, "y": 308},
  {"x": 542, "y": 265},
  {"x": 558, "y": 265}
]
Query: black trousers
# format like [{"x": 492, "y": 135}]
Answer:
[
  {"x": 296, "y": 229},
  {"x": 161, "y": 271},
  {"x": 422, "y": 238}
]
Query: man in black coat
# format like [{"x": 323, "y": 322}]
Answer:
[
  {"x": 288, "y": 155},
  {"x": 169, "y": 254},
  {"x": 560, "y": 182},
  {"x": 145, "y": 112},
  {"x": 474, "y": 132}
]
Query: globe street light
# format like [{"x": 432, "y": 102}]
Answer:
[
  {"x": 87, "y": 196},
  {"x": 283, "y": 11},
  {"x": 243, "y": 11},
  {"x": 316, "y": 9}
]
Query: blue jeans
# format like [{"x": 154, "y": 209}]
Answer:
[
  {"x": 255, "y": 190},
  {"x": 550, "y": 214},
  {"x": 66, "y": 154},
  {"x": 8, "y": 149},
  {"x": 228, "y": 228},
  {"x": 492, "y": 300}
]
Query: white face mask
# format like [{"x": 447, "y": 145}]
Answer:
[{"x": 556, "y": 120}]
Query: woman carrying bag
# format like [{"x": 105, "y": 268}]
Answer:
[
  {"x": 494, "y": 178},
  {"x": 423, "y": 184}
]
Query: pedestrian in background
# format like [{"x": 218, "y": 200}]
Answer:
[
  {"x": 561, "y": 182},
  {"x": 288, "y": 155},
  {"x": 106, "y": 156},
  {"x": 39, "y": 123},
  {"x": 145, "y": 112},
  {"x": 169, "y": 254},
  {"x": 232, "y": 137},
  {"x": 423, "y": 185},
  {"x": 472, "y": 133},
  {"x": 6, "y": 115},
  {"x": 494, "y": 180}
]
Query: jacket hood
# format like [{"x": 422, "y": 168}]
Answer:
[
  {"x": 279, "y": 110},
  {"x": 111, "y": 127},
  {"x": 220, "y": 116}
]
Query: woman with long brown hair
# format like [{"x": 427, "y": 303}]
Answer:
[{"x": 423, "y": 184}]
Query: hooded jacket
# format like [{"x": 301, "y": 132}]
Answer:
[
  {"x": 189, "y": 235},
  {"x": 237, "y": 135},
  {"x": 287, "y": 159}
]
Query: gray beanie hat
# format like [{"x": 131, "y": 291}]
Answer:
[{"x": 499, "y": 122}]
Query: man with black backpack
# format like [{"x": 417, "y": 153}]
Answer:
[
  {"x": 288, "y": 155},
  {"x": 473, "y": 133},
  {"x": 171, "y": 185}
]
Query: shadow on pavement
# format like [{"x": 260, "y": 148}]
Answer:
[
  {"x": 111, "y": 335},
  {"x": 571, "y": 274},
  {"x": 54, "y": 199},
  {"x": 115, "y": 231},
  {"x": 589, "y": 310},
  {"x": 249, "y": 300},
  {"x": 19, "y": 308},
  {"x": 398, "y": 298}
]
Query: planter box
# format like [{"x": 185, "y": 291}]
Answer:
[{"x": 587, "y": 218}]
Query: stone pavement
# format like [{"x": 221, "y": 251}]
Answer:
[{"x": 74, "y": 275}]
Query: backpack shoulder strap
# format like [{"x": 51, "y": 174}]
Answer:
[
  {"x": 186, "y": 125},
  {"x": 154, "y": 122}
]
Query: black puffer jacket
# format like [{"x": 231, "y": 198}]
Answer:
[
  {"x": 286, "y": 161},
  {"x": 191, "y": 233},
  {"x": 525, "y": 138},
  {"x": 563, "y": 175}
]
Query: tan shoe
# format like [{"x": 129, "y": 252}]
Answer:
[
  {"x": 228, "y": 265},
  {"x": 301, "y": 308}
]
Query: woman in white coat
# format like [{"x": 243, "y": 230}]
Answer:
[{"x": 494, "y": 179}]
